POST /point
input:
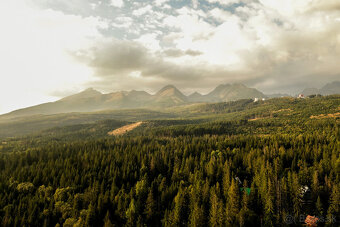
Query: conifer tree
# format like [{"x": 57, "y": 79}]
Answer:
[
  {"x": 333, "y": 209},
  {"x": 216, "y": 211},
  {"x": 90, "y": 217},
  {"x": 233, "y": 203},
  {"x": 319, "y": 207},
  {"x": 197, "y": 215},
  {"x": 131, "y": 213},
  {"x": 150, "y": 206}
]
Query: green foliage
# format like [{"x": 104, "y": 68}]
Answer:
[{"x": 183, "y": 172}]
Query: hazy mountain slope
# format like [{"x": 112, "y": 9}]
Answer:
[
  {"x": 228, "y": 92},
  {"x": 88, "y": 93},
  {"x": 169, "y": 96},
  {"x": 91, "y": 100},
  {"x": 329, "y": 89},
  {"x": 310, "y": 91},
  {"x": 85, "y": 101},
  {"x": 196, "y": 97}
]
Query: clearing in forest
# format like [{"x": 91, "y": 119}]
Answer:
[{"x": 124, "y": 129}]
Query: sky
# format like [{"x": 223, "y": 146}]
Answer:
[{"x": 53, "y": 48}]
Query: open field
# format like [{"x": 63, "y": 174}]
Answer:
[{"x": 124, "y": 129}]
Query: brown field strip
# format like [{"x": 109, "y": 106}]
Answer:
[
  {"x": 124, "y": 129},
  {"x": 326, "y": 116}
]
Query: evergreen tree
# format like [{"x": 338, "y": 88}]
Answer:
[
  {"x": 319, "y": 207},
  {"x": 216, "y": 211},
  {"x": 131, "y": 213},
  {"x": 90, "y": 217},
  {"x": 333, "y": 209},
  {"x": 197, "y": 216},
  {"x": 150, "y": 207},
  {"x": 233, "y": 203}
]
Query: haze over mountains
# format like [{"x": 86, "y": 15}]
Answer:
[
  {"x": 328, "y": 89},
  {"x": 91, "y": 100}
]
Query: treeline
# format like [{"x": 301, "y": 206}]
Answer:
[
  {"x": 209, "y": 180},
  {"x": 174, "y": 128}
]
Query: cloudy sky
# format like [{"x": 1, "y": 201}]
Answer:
[{"x": 53, "y": 48}]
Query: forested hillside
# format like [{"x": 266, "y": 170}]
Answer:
[{"x": 244, "y": 163}]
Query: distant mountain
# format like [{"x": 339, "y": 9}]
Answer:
[
  {"x": 85, "y": 101},
  {"x": 310, "y": 91},
  {"x": 231, "y": 92},
  {"x": 195, "y": 97},
  {"x": 329, "y": 89},
  {"x": 169, "y": 96},
  {"x": 91, "y": 100},
  {"x": 88, "y": 93}
]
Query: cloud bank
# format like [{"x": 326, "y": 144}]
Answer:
[
  {"x": 64, "y": 46},
  {"x": 276, "y": 46}
]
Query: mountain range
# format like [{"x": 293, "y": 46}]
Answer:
[
  {"x": 91, "y": 100},
  {"x": 328, "y": 89}
]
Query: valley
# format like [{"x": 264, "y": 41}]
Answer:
[{"x": 174, "y": 166}]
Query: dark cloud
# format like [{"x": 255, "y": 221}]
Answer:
[
  {"x": 179, "y": 53},
  {"x": 322, "y": 5},
  {"x": 114, "y": 60},
  {"x": 289, "y": 68},
  {"x": 294, "y": 62},
  {"x": 276, "y": 53},
  {"x": 118, "y": 57}
]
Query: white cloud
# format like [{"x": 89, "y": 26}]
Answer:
[
  {"x": 219, "y": 44},
  {"x": 142, "y": 11},
  {"x": 135, "y": 74},
  {"x": 224, "y": 2},
  {"x": 150, "y": 41},
  {"x": 122, "y": 22},
  {"x": 262, "y": 42},
  {"x": 195, "y": 3},
  {"x": 265, "y": 39},
  {"x": 328, "y": 5},
  {"x": 34, "y": 52},
  {"x": 190, "y": 24},
  {"x": 117, "y": 3},
  {"x": 220, "y": 14},
  {"x": 161, "y": 2}
]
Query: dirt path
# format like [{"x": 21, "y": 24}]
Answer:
[{"x": 124, "y": 129}]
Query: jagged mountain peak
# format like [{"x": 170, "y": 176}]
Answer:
[
  {"x": 195, "y": 94},
  {"x": 169, "y": 96},
  {"x": 196, "y": 97},
  {"x": 169, "y": 90},
  {"x": 135, "y": 92},
  {"x": 92, "y": 100},
  {"x": 168, "y": 87},
  {"x": 87, "y": 93},
  {"x": 90, "y": 90}
]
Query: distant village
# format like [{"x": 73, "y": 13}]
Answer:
[{"x": 299, "y": 96}]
